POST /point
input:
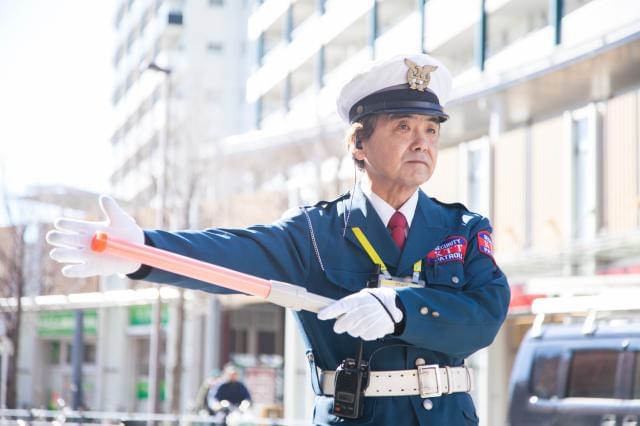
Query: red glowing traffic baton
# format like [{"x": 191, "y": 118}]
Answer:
[{"x": 281, "y": 293}]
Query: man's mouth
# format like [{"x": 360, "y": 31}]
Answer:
[{"x": 424, "y": 162}]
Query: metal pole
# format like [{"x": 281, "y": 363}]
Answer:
[
  {"x": 154, "y": 356},
  {"x": 3, "y": 384},
  {"x": 481, "y": 37},
  {"x": 77, "y": 358},
  {"x": 6, "y": 349},
  {"x": 555, "y": 19},
  {"x": 156, "y": 317}
]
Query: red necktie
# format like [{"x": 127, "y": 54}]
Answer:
[{"x": 398, "y": 226}]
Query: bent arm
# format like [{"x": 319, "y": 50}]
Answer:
[{"x": 463, "y": 321}]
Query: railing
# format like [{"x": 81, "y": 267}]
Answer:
[{"x": 36, "y": 417}]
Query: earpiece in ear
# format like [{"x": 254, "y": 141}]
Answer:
[{"x": 358, "y": 143}]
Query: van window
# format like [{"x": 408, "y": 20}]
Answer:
[
  {"x": 636, "y": 379},
  {"x": 592, "y": 374},
  {"x": 544, "y": 374}
]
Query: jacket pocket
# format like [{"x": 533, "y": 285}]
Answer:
[{"x": 449, "y": 275}]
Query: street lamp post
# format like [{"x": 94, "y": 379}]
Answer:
[{"x": 154, "y": 344}]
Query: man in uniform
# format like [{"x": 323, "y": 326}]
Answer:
[{"x": 416, "y": 287}]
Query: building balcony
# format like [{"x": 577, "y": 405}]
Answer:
[{"x": 338, "y": 17}]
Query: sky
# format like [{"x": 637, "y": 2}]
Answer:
[{"x": 55, "y": 88}]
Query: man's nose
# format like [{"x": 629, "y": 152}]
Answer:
[{"x": 421, "y": 141}]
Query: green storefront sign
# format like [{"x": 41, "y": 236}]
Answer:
[
  {"x": 63, "y": 323},
  {"x": 141, "y": 315},
  {"x": 142, "y": 390}
]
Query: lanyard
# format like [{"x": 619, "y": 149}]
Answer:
[{"x": 377, "y": 260}]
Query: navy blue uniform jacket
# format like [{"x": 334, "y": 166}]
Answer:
[{"x": 466, "y": 299}]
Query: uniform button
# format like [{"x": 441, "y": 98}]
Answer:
[
  {"x": 420, "y": 361},
  {"x": 427, "y": 404},
  {"x": 455, "y": 279},
  {"x": 424, "y": 310},
  {"x": 435, "y": 314}
]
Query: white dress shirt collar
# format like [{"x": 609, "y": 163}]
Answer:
[{"x": 385, "y": 211}]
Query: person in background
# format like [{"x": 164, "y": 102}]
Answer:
[{"x": 230, "y": 389}]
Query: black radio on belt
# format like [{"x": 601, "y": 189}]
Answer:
[{"x": 351, "y": 380}]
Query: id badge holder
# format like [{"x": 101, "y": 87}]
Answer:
[{"x": 399, "y": 282}]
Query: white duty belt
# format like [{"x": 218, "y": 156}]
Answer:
[{"x": 428, "y": 381}]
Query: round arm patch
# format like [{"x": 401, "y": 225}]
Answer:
[{"x": 485, "y": 244}]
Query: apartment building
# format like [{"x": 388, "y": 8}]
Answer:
[
  {"x": 543, "y": 136},
  {"x": 179, "y": 77}
]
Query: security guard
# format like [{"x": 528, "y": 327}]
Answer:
[{"x": 416, "y": 286}]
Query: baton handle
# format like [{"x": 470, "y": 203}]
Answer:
[{"x": 295, "y": 297}]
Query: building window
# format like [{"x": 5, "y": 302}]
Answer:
[
  {"x": 239, "y": 342},
  {"x": 392, "y": 13},
  {"x": 120, "y": 15},
  {"x": 266, "y": 342},
  {"x": 131, "y": 39},
  {"x": 571, "y": 5},
  {"x": 89, "y": 353},
  {"x": 346, "y": 45},
  {"x": 117, "y": 95},
  {"x": 216, "y": 2},
  {"x": 60, "y": 352},
  {"x": 53, "y": 352},
  {"x": 214, "y": 47},
  {"x": 117, "y": 57},
  {"x": 175, "y": 18},
  {"x": 146, "y": 18},
  {"x": 301, "y": 11},
  {"x": 479, "y": 176},
  {"x": 584, "y": 160},
  {"x": 510, "y": 24},
  {"x": 129, "y": 81},
  {"x": 544, "y": 375},
  {"x": 592, "y": 374},
  {"x": 273, "y": 36}
]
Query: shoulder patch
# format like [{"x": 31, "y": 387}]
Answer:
[
  {"x": 452, "y": 249},
  {"x": 485, "y": 244}
]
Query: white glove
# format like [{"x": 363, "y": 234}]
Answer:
[
  {"x": 363, "y": 315},
  {"x": 72, "y": 242}
]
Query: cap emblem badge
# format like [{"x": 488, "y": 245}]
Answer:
[{"x": 418, "y": 76}]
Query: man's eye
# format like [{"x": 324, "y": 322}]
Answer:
[
  {"x": 403, "y": 126},
  {"x": 432, "y": 131}
]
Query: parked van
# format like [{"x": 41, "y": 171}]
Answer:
[{"x": 564, "y": 376}]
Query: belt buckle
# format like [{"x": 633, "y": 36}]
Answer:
[{"x": 424, "y": 372}]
